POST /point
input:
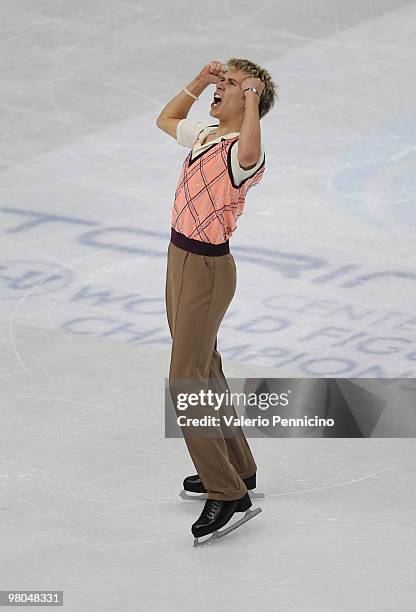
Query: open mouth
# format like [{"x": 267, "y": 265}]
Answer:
[{"x": 217, "y": 100}]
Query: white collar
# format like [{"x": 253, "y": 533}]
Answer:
[
  {"x": 212, "y": 129},
  {"x": 227, "y": 136}
]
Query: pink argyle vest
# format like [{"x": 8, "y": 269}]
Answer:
[{"x": 207, "y": 202}]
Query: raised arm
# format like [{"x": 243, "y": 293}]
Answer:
[
  {"x": 178, "y": 107},
  {"x": 249, "y": 142}
]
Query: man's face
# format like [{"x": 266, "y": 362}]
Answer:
[{"x": 232, "y": 98}]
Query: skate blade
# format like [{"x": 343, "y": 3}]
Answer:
[
  {"x": 222, "y": 532},
  {"x": 189, "y": 495}
]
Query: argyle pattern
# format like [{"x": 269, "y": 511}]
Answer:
[{"x": 207, "y": 203}]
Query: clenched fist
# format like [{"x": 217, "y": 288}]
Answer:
[
  {"x": 252, "y": 82},
  {"x": 213, "y": 72}
]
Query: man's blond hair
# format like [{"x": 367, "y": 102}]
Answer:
[{"x": 270, "y": 92}]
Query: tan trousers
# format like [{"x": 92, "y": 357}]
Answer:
[{"x": 199, "y": 289}]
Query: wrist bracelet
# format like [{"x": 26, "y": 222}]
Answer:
[
  {"x": 190, "y": 93},
  {"x": 252, "y": 89}
]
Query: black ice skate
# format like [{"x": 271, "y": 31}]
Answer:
[
  {"x": 217, "y": 513},
  {"x": 194, "y": 484}
]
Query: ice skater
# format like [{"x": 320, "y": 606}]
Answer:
[{"x": 225, "y": 160}]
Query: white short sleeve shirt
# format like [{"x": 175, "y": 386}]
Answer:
[{"x": 191, "y": 133}]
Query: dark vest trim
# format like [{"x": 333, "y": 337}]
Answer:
[
  {"x": 192, "y": 160},
  {"x": 198, "y": 247},
  {"x": 230, "y": 170}
]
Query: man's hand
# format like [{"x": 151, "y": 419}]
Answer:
[
  {"x": 252, "y": 82},
  {"x": 213, "y": 72}
]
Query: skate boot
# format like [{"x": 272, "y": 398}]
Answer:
[
  {"x": 194, "y": 483},
  {"x": 217, "y": 513}
]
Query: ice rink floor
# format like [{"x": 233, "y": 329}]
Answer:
[{"x": 325, "y": 254}]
